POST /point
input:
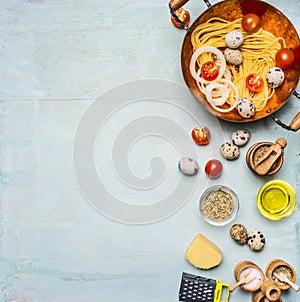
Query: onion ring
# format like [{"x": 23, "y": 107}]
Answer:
[
  {"x": 224, "y": 110},
  {"x": 200, "y": 51},
  {"x": 218, "y": 97},
  {"x": 202, "y": 86}
]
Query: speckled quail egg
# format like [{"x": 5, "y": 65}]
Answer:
[
  {"x": 233, "y": 56},
  {"x": 234, "y": 39},
  {"x": 188, "y": 166},
  {"x": 230, "y": 151},
  {"x": 240, "y": 137},
  {"x": 275, "y": 77},
  {"x": 256, "y": 240},
  {"x": 245, "y": 107}
]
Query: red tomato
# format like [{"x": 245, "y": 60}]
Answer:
[
  {"x": 254, "y": 82},
  {"x": 284, "y": 58},
  {"x": 251, "y": 23},
  {"x": 213, "y": 168},
  {"x": 183, "y": 15},
  {"x": 209, "y": 71},
  {"x": 201, "y": 135}
]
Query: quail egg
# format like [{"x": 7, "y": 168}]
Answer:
[
  {"x": 230, "y": 151},
  {"x": 188, "y": 166},
  {"x": 245, "y": 107},
  {"x": 256, "y": 240},
  {"x": 234, "y": 39},
  {"x": 275, "y": 77},
  {"x": 233, "y": 56}
]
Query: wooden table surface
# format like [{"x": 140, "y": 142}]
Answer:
[{"x": 94, "y": 118}]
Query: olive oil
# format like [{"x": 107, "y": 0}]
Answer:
[{"x": 276, "y": 199}]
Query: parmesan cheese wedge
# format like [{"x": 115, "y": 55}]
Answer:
[{"x": 202, "y": 253}]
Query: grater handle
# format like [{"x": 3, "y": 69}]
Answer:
[{"x": 220, "y": 287}]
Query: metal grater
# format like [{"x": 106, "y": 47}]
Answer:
[{"x": 194, "y": 288}]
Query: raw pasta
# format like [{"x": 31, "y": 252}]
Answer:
[{"x": 258, "y": 51}]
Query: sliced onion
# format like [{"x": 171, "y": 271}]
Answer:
[
  {"x": 200, "y": 51},
  {"x": 226, "y": 80},
  {"x": 216, "y": 94},
  {"x": 201, "y": 86},
  {"x": 227, "y": 75},
  {"x": 224, "y": 110}
]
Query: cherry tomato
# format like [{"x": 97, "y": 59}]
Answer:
[
  {"x": 183, "y": 15},
  {"x": 201, "y": 135},
  {"x": 213, "y": 168},
  {"x": 209, "y": 71},
  {"x": 254, "y": 82},
  {"x": 251, "y": 23},
  {"x": 284, "y": 58}
]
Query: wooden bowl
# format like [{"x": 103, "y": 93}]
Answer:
[
  {"x": 244, "y": 266},
  {"x": 273, "y": 21},
  {"x": 276, "y": 264},
  {"x": 251, "y": 155}
]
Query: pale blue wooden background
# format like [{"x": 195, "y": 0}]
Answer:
[{"x": 57, "y": 57}]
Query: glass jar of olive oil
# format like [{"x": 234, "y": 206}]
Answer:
[{"x": 276, "y": 199}]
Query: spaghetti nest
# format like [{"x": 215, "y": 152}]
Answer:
[{"x": 258, "y": 51}]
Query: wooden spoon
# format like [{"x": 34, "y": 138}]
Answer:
[
  {"x": 284, "y": 278},
  {"x": 247, "y": 278}
]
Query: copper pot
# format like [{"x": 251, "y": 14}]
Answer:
[{"x": 273, "y": 21}]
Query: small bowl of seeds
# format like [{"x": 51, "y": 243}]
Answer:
[
  {"x": 276, "y": 267},
  {"x": 219, "y": 205}
]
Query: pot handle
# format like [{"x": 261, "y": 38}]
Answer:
[
  {"x": 175, "y": 4},
  {"x": 293, "y": 126},
  {"x": 295, "y": 123}
]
